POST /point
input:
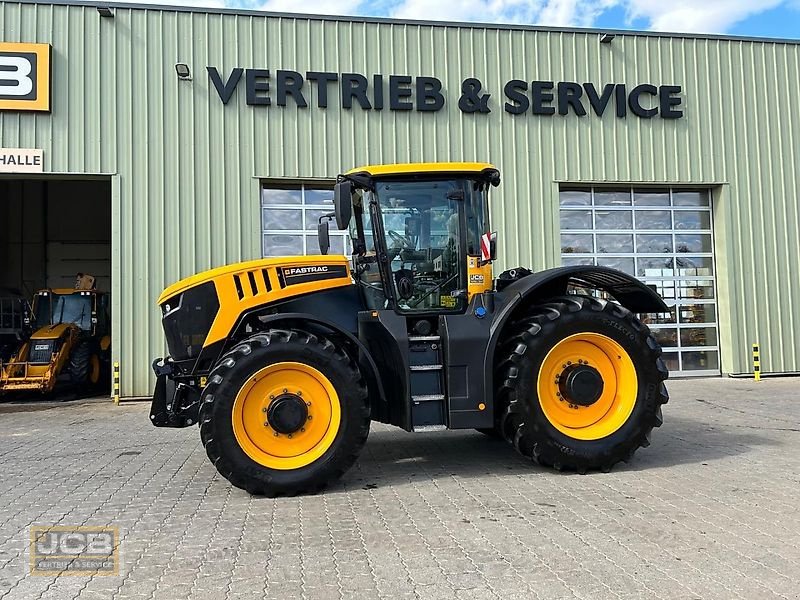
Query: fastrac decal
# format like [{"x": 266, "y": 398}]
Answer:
[
  {"x": 24, "y": 76},
  {"x": 306, "y": 274}
]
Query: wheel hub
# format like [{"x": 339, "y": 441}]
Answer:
[
  {"x": 287, "y": 413},
  {"x": 581, "y": 384}
]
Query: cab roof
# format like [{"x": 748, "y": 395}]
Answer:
[{"x": 423, "y": 168}]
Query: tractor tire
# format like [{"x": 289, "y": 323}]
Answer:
[
  {"x": 79, "y": 363},
  {"x": 582, "y": 384},
  {"x": 257, "y": 408}
]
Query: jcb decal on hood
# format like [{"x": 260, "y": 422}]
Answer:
[{"x": 295, "y": 275}]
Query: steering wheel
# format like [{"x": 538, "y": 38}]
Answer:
[{"x": 404, "y": 242}]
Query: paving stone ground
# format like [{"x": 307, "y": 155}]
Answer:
[{"x": 709, "y": 510}]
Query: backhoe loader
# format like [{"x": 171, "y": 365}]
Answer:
[{"x": 284, "y": 362}]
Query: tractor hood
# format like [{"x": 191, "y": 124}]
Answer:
[{"x": 52, "y": 332}]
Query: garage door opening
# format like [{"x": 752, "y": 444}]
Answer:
[{"x": 51, "y": 230}]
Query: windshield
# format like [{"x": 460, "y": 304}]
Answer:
[
  {"x": 423, "y": 232},
  {"x": 52, "y": 309}
]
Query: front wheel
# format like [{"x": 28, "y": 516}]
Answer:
[
  {"x": 284, "y": 412},
  {"x": 582, "y": 384}
]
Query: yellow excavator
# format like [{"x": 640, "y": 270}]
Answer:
[{"x": 69, "y": 345}]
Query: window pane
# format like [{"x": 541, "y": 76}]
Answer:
[
  {"x": 671, "y": 360},
  {"x": 288, "y": 195},
  {"x": 654, "y": 267},
  {"x": 617, "y": 262},
  {"x": 653, "y": 243},
  {"x": 313, "y": 215},
  {"x": 576, "y": 219},
  {"x": 612, "y": 197},
  {"x": 337, "y": 244},
  {"x": 651, "y": 197},
  {"x": 576, "y": 197},
  {"x": 576, "y": 243},
  {"x": 667, "y": 318},
  {"x": 571, "y": 262},
  {"x": 698, "y": 289},
  {"x": 319, "y": 196},
  {"x": 613, "y": 219},
  {"x": 668, "y": 338},
  {"x": 282, "y": 218},
  {"x": 694, "y": 265},
  {"x": 697, "y": 242},
  {"x": 613, "y": 242},
  {"x": 697, "y": 313},
  {"x": 653, "y": 219},
  {"x": 690, "y": 198},
  {"x": 699, "y": 336},
  {"x": 692, "y": 219},
  {"x": 704, "y": 360},
  {"x": 283, "y": 245}
]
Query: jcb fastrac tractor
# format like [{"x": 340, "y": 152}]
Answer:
[
  {"x": 69, "y": 345},
  {"x": 284, "y": 361}
]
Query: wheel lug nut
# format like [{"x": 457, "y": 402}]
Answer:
[
  {"x": 276, "y": 434},
  {"x": 290, "y": 436},
  {"x": 299, "y": 393},
  {"x": 285, "y": 390},
  {"x": 309, "y": 417},
  {"x": 264, "y": 409},
  {"x": 302, "y": 429},
  {"x": 308, "y": 403},
  {"x": 272, "y": 396}
]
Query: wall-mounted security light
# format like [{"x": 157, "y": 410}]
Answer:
[
  {"x": 105, "y": 12},
  {"x": 605, "y": 38},
  {"x": 183, "y": 71}
]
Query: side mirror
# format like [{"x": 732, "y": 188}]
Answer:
[
  {"x": 323, "y": 233},
  {"x": 343, "y": 203},
  {"x": 493, "y": 246}
]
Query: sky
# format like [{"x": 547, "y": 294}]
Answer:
[{"x": 763, "y": 18}]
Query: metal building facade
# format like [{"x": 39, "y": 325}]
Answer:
[{"x": 186, "y": 169}]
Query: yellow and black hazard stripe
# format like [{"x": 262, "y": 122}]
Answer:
[
  {"x": 116, "y": 382},
  {"x": 756, "y": 363}
]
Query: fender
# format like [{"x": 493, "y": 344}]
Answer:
[
  {"x": 364, "y": 360},
  {"x": 538, "y": 287}
]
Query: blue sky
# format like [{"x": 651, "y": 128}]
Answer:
[{"x": 764, "y": 18}]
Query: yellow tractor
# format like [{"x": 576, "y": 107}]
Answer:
[
  {"x": 285, "y": 361},
  {"x": 69, "y": 346}
]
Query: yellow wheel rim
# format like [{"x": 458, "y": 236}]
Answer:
[
  {"x": 620, "y": 386},
  {"x": 256, "y": 436}
]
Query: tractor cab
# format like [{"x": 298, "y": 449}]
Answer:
[
  {"x": 85, "y": 309},
  {"x": 417, "y": 236}
]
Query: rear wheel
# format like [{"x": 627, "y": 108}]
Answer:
[
  {"x": 582, "y": 384},
  {"x": 284, "y": 412}
]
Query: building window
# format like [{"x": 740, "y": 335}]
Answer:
[
  {"x": 290, "y": 212},
  {"x": 664, "y": 237}
]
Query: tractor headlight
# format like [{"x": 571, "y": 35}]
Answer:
[{"x": 187, "y": 319}]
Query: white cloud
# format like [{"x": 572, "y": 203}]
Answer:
[{"x": 708, "y": 16}]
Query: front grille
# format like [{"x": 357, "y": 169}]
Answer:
[{"x": 40, "y": 351}]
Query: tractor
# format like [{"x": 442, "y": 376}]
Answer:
[
  {"x": 69, "y": 346},
  {"x": 284, "y": 362}
]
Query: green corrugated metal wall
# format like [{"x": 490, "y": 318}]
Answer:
[{"x": 186, "y": 167}]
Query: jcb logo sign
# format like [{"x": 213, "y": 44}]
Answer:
[
  {"x": 24, "y": 76},
  {"x": 79, "y": 550}
]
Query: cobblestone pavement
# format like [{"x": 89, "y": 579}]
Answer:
[{"x": 710, "y": 510}]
